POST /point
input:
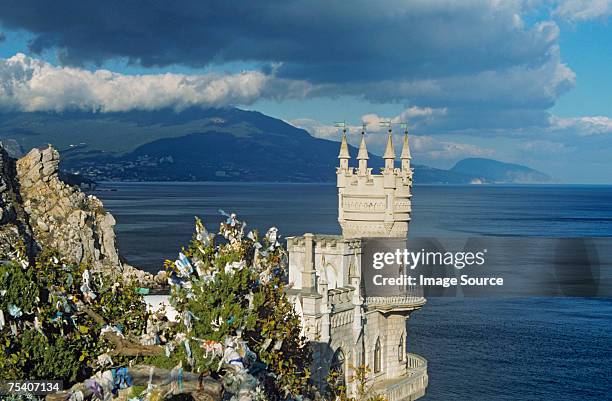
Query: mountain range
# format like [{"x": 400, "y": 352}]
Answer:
[{"x": 226, "y": 144}]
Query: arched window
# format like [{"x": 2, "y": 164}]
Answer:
[
  {"x": 331, "y": 276},
  {"x": 337, "y": 368},
  {"x": 401, "y": 352},
  {"x": 377, "y": 356}
]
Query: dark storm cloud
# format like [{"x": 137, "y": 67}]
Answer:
[
  {"x": 477, "y": 59},
  {"x": 319, "y": 41}
]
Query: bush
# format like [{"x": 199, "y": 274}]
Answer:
[
  {"x": 45, "y": 332},
  {"x": 236, "y": 322},
  {"x": 230, "y": 288}
]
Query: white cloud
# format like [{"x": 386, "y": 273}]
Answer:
[
  {"x": 463, "y": 100},
  {"x": 414, "y": 116},
  {"x": 583, "y": 10},
  {"x": 30, "y": 84},
  {"x": 582, "y": 126},
  {"x": 318, "y": 129},
  {"x": 432, "y": 148},
  {"x": 544, "y": 147},
  {"x": 424, "y": 147}
]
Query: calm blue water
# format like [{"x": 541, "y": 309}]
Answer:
[{"x": 478, "y": 349}]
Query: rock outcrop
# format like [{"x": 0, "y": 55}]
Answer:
[
  {"x": 61, "y": 216},
  {"x": 43, "y": 212},
  {"x": 16, "y": 237}
]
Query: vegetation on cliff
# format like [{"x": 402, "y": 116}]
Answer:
[
  {"x": 46, "y": 324},
  {"x": 236, "y": 324}
]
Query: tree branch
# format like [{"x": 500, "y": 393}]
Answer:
[
  {"x": 201, "y": 388},
  {"x": 124, "y": 347}
]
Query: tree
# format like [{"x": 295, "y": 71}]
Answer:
[{"x": 229, "y": 290}]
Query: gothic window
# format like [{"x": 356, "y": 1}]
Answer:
[
  {"x": 377, "y": 356},
  {"x": 400, "y": 349},
  {"x": 331, "y": 276},
  {"x": 337, "y": 368}
]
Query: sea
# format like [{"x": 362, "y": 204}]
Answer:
[{"x": 538, "y": 346}]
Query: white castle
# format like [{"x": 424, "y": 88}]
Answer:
[{"x": 346, "y": 327}]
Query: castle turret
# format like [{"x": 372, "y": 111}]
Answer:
[
  {"x": 363, "y": 156},
  {"x": 389, "y": 155},
  {"x": 373, "y": 205},
  {"x": 344, "y": 155},
  {"x": 405, "y": 156}
]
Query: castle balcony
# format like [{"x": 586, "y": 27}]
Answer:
[
  {"x": 410, "y": 386},
  {"x": 395, "y": 303},
  {"x": 411, "y": 298}
]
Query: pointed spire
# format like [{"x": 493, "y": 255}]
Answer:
[
  {"x": 363, "y": 151},
  {"x": 389, "y": 155},
  {"x": 405, "y": 156},
  {"x": 389, "y": 151},
  {"x": 406, "y": 148},
  {"x": 363, "y": 155},
  {"x": 344, "y": 152},
  {"x": 344, "y": 155}
]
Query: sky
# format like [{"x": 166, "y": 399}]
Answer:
[{"x": 525, "y": 82}]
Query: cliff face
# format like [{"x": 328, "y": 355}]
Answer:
[
  {"x": 15, "y": 230},
  {"x": 61, "y": 216},
  {"x": 44, "y": 212}
]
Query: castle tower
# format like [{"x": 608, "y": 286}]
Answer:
[
  {"x": 375, "y": 205},
  {"x": 347, "y": 327}
]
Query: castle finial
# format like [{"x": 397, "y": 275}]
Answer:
[
  {"x": 405, "y": 156},
  {"x": 344, "y": 152},
  {"x": 389, "y": 155},
  {"x": 389, "y": 150},
  {"x": 363, "y": 154},
  {"x": 344, "y": 155}
]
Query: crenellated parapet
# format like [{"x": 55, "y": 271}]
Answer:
[{"x": 370, "y": 204}]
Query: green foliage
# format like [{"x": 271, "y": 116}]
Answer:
[
  {"x": 22, "y": 397},
  {"x": 136, "y": 391},
  {"x": 18, "y": 286},
  {"x": 52, "y": 336},
  {"x": 276, "y": 320},
  {"x": 236, "y": 290},
  {"x": 229, "y": 290},
  {"x": 42, "y": 357},
  {"x": 337, "y": 389}
]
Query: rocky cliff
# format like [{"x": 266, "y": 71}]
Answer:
[
  {"x": 16, "y": 237},
  {"x": 40, "y": 211}
]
